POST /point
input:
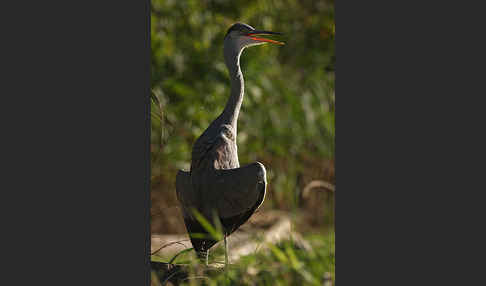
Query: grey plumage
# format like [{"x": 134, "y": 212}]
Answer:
[{"x": 216, "y": 184}]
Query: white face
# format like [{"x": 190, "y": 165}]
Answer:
[
  {"x": 240, "y": 40},
  {"x": 241, "y": 36}
]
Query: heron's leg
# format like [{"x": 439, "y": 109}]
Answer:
[
  {"x": 226, "y": 261},
  {"x": 207, "y": 257}
]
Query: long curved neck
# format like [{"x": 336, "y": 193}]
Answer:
[{"x": 232, "y": 108}]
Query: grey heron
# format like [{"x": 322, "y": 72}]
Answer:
[{"x": 216, "y": 184}]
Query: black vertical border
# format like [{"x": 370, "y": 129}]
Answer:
[
  {"x": 148, "y": 203},
  {"x": 410, "y": 143},
  {"x": 75, "y": 121}
]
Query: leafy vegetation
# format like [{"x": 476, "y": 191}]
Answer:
[
  {"x": 286, "y": 121},
  {"x": 283, "y": 264},
  {"x": 287, "y": 117}
]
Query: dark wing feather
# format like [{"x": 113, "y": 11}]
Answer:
[
  {"x": 241, "y": 191},
  {"x": 188, "y": 199},
  {"x": 184, "y": 192},
  {"x": 231, "y": 224},
  {"x": 200, "y": 150},
  {"x": 234, "y": 194}
]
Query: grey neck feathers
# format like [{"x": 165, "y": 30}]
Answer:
[{"x": 232, "y": 108}]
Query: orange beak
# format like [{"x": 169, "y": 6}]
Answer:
[{"x": 264, "y": 39}]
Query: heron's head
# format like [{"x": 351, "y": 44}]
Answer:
[{"x": 240, "y": 36}]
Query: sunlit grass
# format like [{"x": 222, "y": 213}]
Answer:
[{"x": 278, "y": 264}]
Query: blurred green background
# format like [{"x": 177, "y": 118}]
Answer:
[
  {"x": 286, "y": 121},
  {"x": 287, "y": 117}
]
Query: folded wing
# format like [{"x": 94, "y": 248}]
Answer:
[{"x": 233, "y": 193}]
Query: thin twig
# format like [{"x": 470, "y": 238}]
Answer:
[
  {"x": 170, "y": 276},
  {"x": 169, "y": 244},
  {"x": 195, "y": 277}
]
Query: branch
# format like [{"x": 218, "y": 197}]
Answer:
[{"x": 317, "y": 184}]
